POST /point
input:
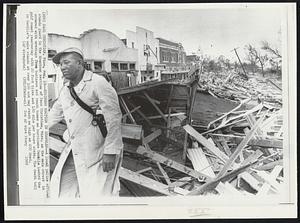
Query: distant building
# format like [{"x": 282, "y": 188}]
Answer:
[
  {"x": 173, "y": 56},
  {"x": 104, "y": 53},
  {"x": 148, "y": 53}
]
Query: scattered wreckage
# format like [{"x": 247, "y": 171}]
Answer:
[{"x": 213, "y": 134}]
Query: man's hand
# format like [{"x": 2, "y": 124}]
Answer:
[{"x": 109, "y": 161}]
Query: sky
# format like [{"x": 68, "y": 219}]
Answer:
[{"x": 215, "y": 30}]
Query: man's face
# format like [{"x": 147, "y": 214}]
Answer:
[{"x": 70, "y": 66}]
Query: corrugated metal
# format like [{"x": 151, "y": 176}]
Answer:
[{"x": 199, "y": 161}]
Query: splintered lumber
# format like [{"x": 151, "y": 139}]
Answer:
[
  {"x": 253, "y": 142},
  {"x": 252, "y": 157},
  {"x": 144, "y": 181},
  {"x": 131, "y": 131},
  {"x": 240, "y": 147},
  {"x": 152, "y": 136},
  {"x": 171, "y": 163},
  {"x": 223, "y": 116},
  {"x": 155, "y": 106},
  {"x": 222, "y": 156},
  {"x": 212, "y": 183},
  {"x": 56, "y": 145}
]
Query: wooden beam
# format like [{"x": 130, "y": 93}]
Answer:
[
  {"x": 240, "y": 147},
  {"x": 189, "y": 129},
  {"x": 155, "y": 106},
  {"x": 171, "y": 163},
  {"x": 131, "y": 131},
  {"x": 123, "y": 103},
  {"x": 144, "y": 181},
  {"x": 152, "y": 136}
]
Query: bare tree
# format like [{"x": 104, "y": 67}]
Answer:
[
  {"x": 274, "y": 51},
  {"x": 255, "y": 57}
]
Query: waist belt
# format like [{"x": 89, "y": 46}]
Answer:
[{"x": 98, "y": 119}]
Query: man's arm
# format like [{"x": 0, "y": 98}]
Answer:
[
  {"x": 55, "y": 114},
  {"x": 109, "y": 104}
]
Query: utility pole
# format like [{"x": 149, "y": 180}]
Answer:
[{"x": 240, "y": 62}]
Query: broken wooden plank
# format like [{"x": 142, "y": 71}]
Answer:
[
  {"x": 252, "y": 157},
  {"x": 152, "y": 136},
  {"x": 126, "y": 109},
  {"x": 252, "y": 181},
  {"x": 236, "y": 108},
  {"x": 171, "y": 163},
  {"x": 212, "y": 183},
  {"x": 131, "y": 131},
  {"x": 240, "y": 147},
  {"x": 164, "y": 173},
  {"x": 144, "y": 181},
  {"x": 253, "y": 142},
  {"x": 155, "y": 106},
  {"x": 144, "y": 170},
  {"x": 189, "y": 129}
]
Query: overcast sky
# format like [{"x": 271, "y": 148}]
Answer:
[{"x": 215, "y": 30}]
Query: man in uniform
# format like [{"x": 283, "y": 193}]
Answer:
[{"x": 88, "y": 166}]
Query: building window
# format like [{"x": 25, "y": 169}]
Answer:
[
  {"x": 114, "y": 66},
  {"x": 123, "y": 66},
  {"x": 98, "y": 65},
  {"x": 132, "y": 44},
  {"x": 164, "y": 56},
  {"x": 132, "y": 66}
]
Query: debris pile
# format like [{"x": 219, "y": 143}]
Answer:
[
  {"x": 238, "y": 153},
  {"x": 235, "y": 87}
]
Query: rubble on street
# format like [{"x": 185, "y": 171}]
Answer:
[{"x": 213, "y": 134}]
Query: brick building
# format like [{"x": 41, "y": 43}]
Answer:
[{"x": 173, "y": 57}]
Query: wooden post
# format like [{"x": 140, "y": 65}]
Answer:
[{"x": 192, "y": 102}]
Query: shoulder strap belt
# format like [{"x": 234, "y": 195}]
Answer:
[{"x": 80, "y": 102}]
